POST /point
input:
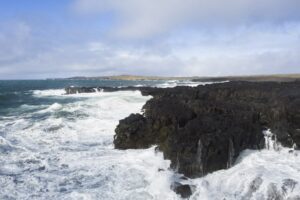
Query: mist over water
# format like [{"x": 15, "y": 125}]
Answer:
[{"x": 56, "y": 146}]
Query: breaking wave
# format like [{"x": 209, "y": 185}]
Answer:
[{"x": 68, "y": 153}]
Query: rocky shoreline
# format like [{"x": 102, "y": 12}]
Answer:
[{"x": 204, "y": 129}]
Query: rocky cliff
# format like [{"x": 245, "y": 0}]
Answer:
[{"x": 203, "y": 129}]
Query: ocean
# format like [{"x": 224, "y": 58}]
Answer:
[{"x": 57, "y": 146}]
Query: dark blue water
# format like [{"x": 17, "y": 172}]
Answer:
[{"x": 15, "y": 93}]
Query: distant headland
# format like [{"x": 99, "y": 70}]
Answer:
[{"x": 255, "y": 78}]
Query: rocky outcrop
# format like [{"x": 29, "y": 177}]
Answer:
[
  {"x": 78, "y": 90},
  {"x": 183, "y": 190},
  {"x": 204, "y": 129}
]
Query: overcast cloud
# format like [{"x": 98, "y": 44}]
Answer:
[{"x": 165, "y": 37}]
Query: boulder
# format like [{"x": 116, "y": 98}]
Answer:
[{"x": 183, "y": 190}]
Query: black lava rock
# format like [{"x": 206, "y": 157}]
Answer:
[{"x": 203, "y": 129}]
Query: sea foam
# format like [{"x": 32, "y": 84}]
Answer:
[{"x": 68, "y": 153}]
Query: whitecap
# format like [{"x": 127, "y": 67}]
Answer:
[
  {"x": 52, "y": 108},
  {"x": 48, "y": 93}
]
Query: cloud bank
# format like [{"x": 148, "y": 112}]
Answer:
[
  {"x": 144, "y": 18},
  {"x": 166, "y": 37}
]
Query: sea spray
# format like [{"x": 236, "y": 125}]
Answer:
[
  {"x": 272, "y": 173},
  {"x": 271, "y": 142}
]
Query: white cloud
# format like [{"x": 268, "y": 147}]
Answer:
[
  {"x": 90, "y": 59},
  {"x": 145, "y": 18},
  {"x": 256, "y": 49}
]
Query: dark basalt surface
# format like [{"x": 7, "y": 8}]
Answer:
[
  {"x": 203, "y": 129},
  {"x": 183, "y": 190}
]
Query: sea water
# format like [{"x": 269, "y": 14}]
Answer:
[{"x": 57, "y": 146}]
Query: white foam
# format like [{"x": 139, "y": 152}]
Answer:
[
  {"x": 68, "y": 154},
  {"x": 48, "y": 93},
  {"x": 271, "y": 141},
  {"x": 256, "y": 175},
  {"x": 139, "y": 85},
  {"x": 174, "y": 83},
  {"x": 273, "y": 173},
  {"x": 52, "y": 108}
]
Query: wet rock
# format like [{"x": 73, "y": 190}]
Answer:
[
  {"x": 183, "y": 190},
  {"x": 75, "y": 90},
  {"x": 132, "y": 134}
]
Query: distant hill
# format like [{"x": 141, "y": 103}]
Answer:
[
  {"x": 256, "y": 78},
  {"x": 130, "y": 78}
]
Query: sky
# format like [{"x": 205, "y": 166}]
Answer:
[{"x": 65, "y": 38}]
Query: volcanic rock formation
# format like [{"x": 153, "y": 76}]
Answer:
[{"x": 203, "y": 129}]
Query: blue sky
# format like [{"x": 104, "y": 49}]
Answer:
[{"x": 49, "y": 38}]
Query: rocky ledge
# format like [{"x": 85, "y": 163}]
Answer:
[{"x": 203, "y": 129}]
